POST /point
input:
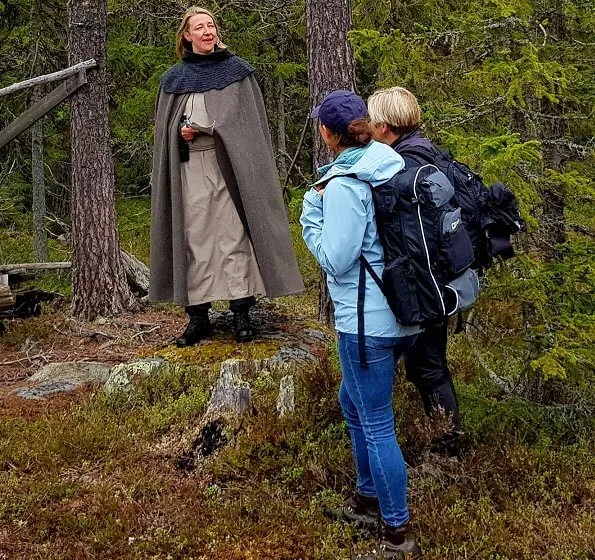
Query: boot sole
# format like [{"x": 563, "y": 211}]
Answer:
[{"x": 193, "y": 343}]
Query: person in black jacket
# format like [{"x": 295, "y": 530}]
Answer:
[{"x": 395, "y": 118}]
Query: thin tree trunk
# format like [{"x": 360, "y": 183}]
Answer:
[
  {"x": 281, "y": 132},
  {"x": 281, "y": 135},
  {"x": 37, "y": 176},
  {"x": 37, "y": 145},
  {"x": 330, "y": 67},
  {"x": 554, "y": 225},
  {"x": 99, "y": 282}
]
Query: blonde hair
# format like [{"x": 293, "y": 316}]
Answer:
[
  {"x": 181, "y": 43},
  {"x": 396, "y": 107}
]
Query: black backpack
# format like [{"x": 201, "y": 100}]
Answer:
[
  {"x": 428, "y": 252},
  {"x": 490, "y": 214},
  {"x": 427, "y": 249},
  {"x": 439, "y": 226}
]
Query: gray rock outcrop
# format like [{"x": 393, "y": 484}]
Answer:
[{"x": 62, "y": 377}]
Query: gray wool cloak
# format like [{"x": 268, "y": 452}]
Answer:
[{"x": 245, "y": 157}]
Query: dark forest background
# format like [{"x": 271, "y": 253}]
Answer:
[{"x": 508, "y": 86}]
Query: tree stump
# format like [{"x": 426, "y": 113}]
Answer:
[
  {"x": 6, "y": 299},
  {"x": 286, "y": 398},
  {"x": 231, "y": 396}
]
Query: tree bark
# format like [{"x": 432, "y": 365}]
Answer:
[
  {"x": 330, "y": 66},
  {"x": 37, "y": 162},
  {"x": 99, "y": 282},
  {"x": 281, "y": 135},
  {"x": 37, "y": 177},
  {"x": 553, "y": 220},
  {"x": 281, "y": 132}
]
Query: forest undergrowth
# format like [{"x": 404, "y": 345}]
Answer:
[{"x": 83, "y": 476}]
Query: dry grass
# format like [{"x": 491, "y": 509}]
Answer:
[
  {"x": 82, "y": 477},
  {"x": 81, "y": 480}
]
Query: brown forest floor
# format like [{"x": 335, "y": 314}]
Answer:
[
  {"x": 54, "y": 337},
  {"x": 86, "y": 477}
]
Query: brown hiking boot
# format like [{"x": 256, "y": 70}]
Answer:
[
  {"x": 396, "y": 543},
  {"x": 362, "y": 510}
]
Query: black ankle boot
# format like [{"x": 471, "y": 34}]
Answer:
[
  {"x": 242, "y": 326},
  {"x": 199, "y": 327},
  {"x": 452, "y": 444},
  {"x": 397, "y": 542}
]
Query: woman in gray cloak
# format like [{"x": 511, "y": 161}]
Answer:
[{"x": 219, "y": 227}]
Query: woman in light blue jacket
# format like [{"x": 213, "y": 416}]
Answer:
[{"x": 339, "y": 226}]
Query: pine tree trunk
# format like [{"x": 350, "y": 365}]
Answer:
[
  {"x": 281, "y": 135},
  {"x": 37, "y": 142},
  {"x": 330, "y": 67},
  {"x": 99, "y": 282}
]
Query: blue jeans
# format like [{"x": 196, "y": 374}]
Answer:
[{"x": 366, "y": 399}]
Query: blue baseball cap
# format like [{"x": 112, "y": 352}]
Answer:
[{"x": 338, "y": 109}]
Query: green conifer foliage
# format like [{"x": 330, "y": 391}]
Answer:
[{"x": 508, "y": 87}]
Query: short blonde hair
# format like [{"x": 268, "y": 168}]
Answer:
[
  {"x": 395, "y": 106},
  {"x": 181, "y": 43}
]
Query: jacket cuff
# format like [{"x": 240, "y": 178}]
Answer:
[{"x": 313, "y": 197}]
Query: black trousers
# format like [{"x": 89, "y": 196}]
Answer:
[
  {"x": 235, "y": 305},
  {"x": 427, "y": 368}
]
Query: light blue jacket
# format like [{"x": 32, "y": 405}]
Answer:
[{"x": 340, "y": 226}]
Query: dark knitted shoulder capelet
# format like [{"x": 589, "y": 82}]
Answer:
[{"x": 199, "y": 73}]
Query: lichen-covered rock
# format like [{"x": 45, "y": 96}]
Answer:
[
  {"x": 121, "y": 378},
  {"x": 62, "y": 377}
]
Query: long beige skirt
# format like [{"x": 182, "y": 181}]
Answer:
[{"x": 220, "y": 256}]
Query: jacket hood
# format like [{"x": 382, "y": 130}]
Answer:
[{"x": 375, "y": 163}]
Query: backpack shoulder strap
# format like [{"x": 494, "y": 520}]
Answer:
[
  {"x": 361, "y": 296},
  {"x": 372, "y": 272},
  {"x": 418, "y": 153}
]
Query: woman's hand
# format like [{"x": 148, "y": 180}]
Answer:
[{"x": 188, "y": 133}]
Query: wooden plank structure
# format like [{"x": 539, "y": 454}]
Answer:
[
  {"x": 75, "y": 77},
  {"x": 136, "y": 271},
  {"x": 48, "y": 78},
  {"x": 18, "y": 268}
]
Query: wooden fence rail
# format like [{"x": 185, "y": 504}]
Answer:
[
  {"x": 47, "y": 78},
  {"x": 6, "y": 268}
]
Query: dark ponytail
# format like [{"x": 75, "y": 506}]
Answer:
[{"x": 357, "y": 134}]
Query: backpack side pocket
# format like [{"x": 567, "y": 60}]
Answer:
[
  {"x": 461, "y": 292},
  {"x": 400, "y": 287},
  {"x": 455, "y": 250}
]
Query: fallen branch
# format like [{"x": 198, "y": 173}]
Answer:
[
  {"x": 141, "y": 333},
  {"x": 26, "y": 358},
  {"x": 137, "y": 273}
]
